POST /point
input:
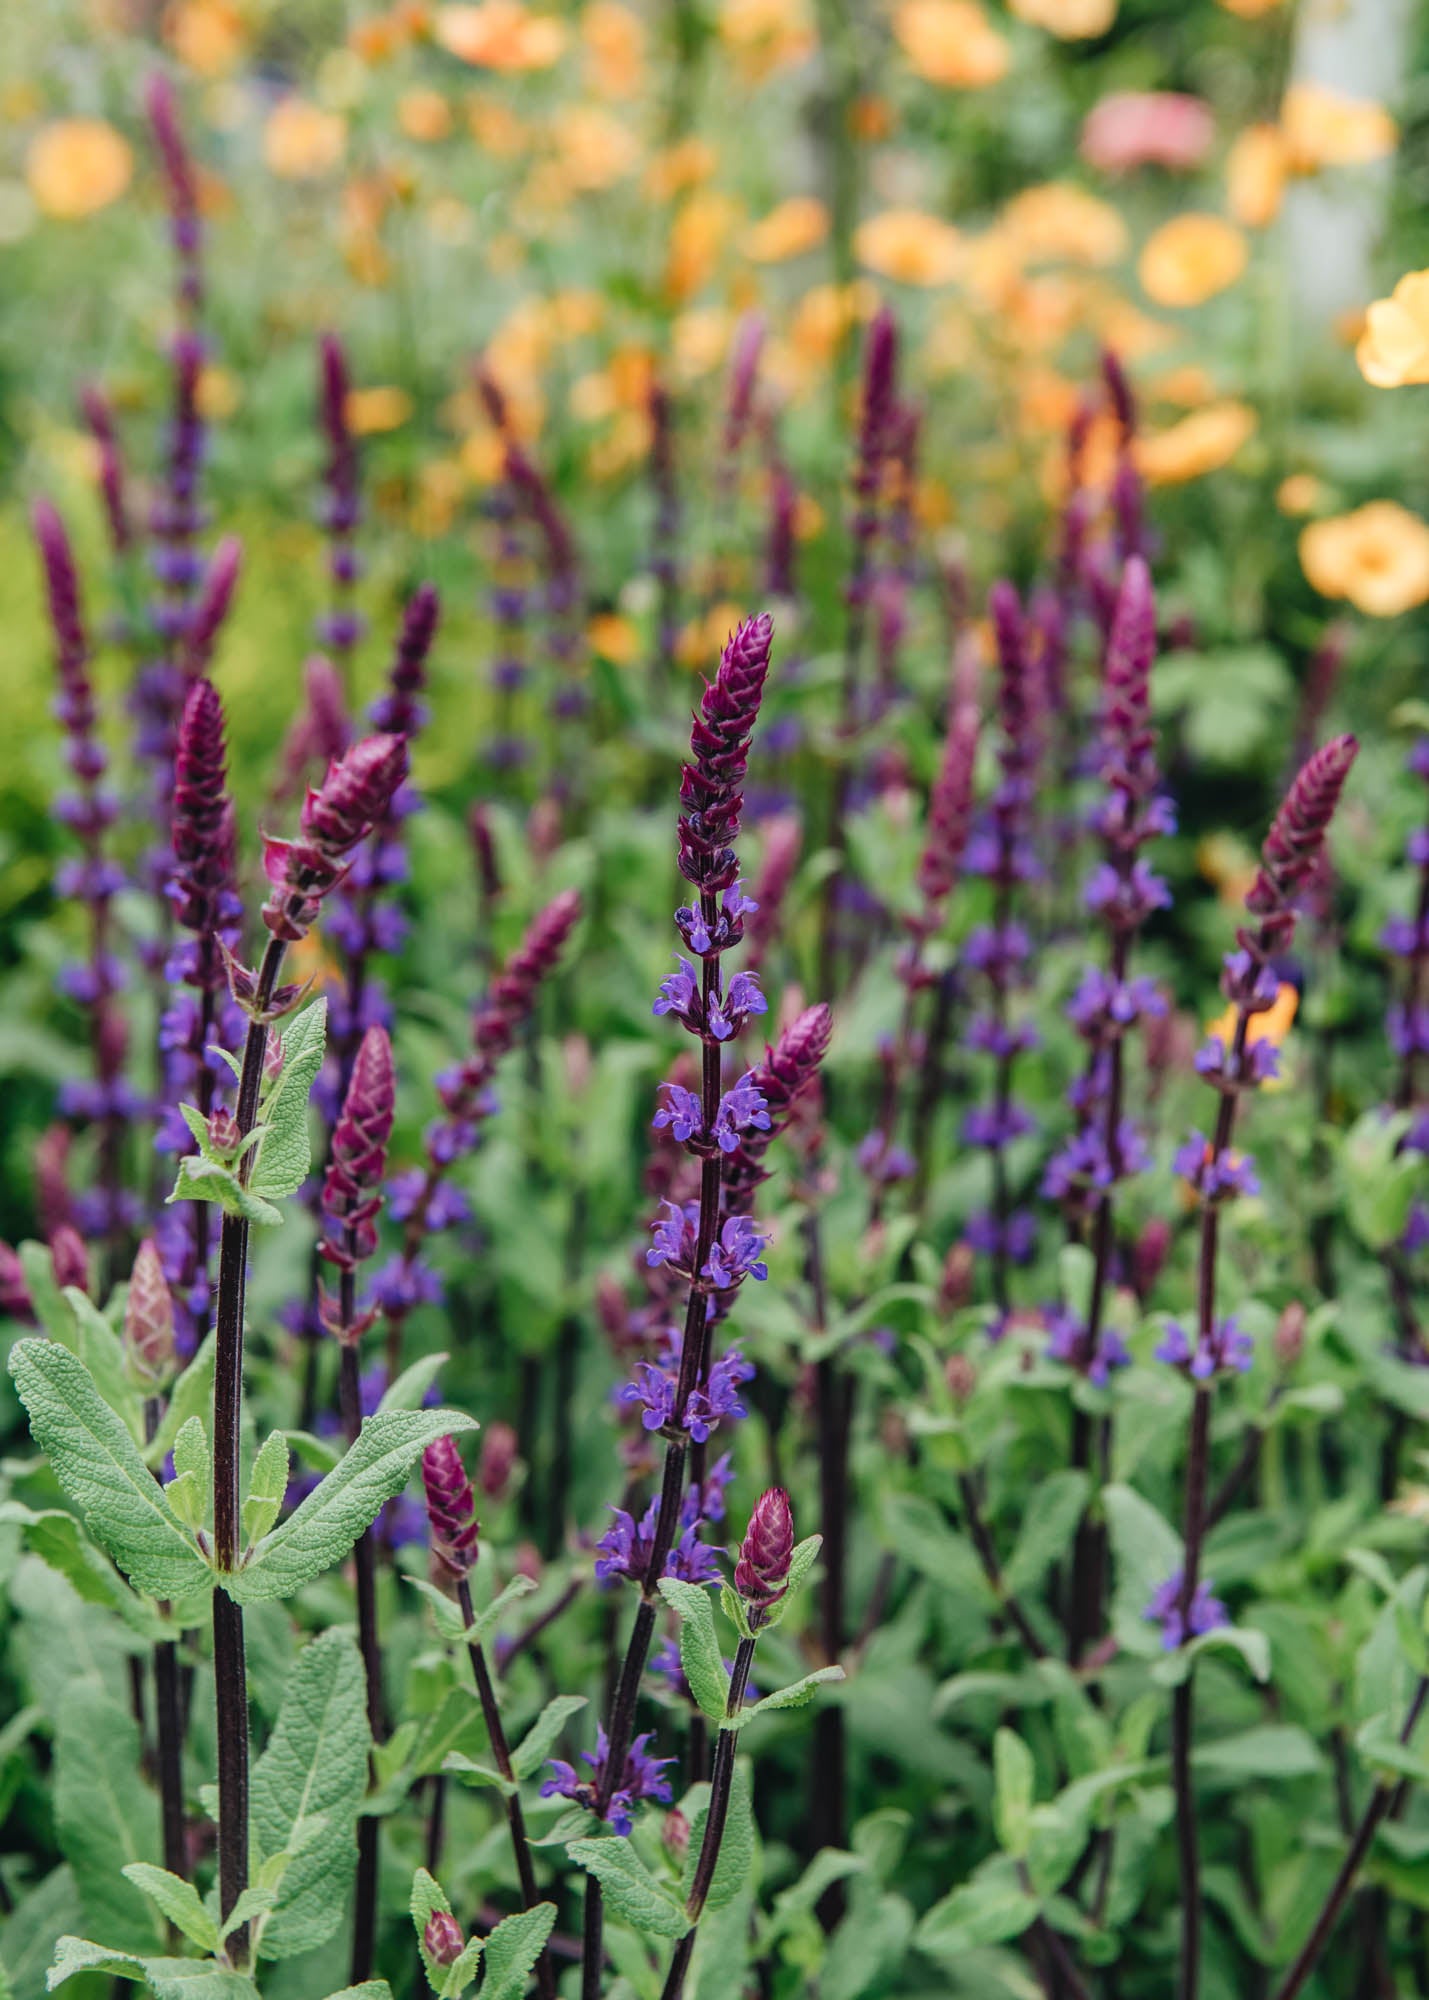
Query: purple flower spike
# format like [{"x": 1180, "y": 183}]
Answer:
[
  {"x": 357, "y": 1159},
  {"x": 761, "y": 1575},
  {"x": 712, "y": 784},
  {"x": 1180, "y": 1622},
  {"x": 355, "y": 794}
]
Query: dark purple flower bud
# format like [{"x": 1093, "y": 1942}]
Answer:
[
  {"x": 1127, "y": 737},
  {"x": 62, "y": 593},
  {"x": 788, "y": 1070},
  {"x": 1297, "y": 834},
  {"x": 224, "y": 1135},
  {"x": 15, "y": 1300},
  {"x": 451, "y": 1506},
  {"x": 743, "y": 379},
  {"x": 399, "y": 711},
  {"x": 500, "y": 1449},
  {"x": 1120, "y": 394},
  {"x": 949, "y": 819},
  {"x": 483, "y": 845},
  {"x": 149, "y": 1322},
  {"x": 675, "y": 1835},
  {"x": 761, "y": 1575},
  {"x": 204, "y": 839},
  {"x": 340, "y": 473},
  {"x": 182, "y": 185},
  {"x": 712, "y": 783},
  {"x": 508, "y": 1004},
  {"x": 215, "y": 599},
  {"x": 322, "y": 731},
  {"x": 355, "y": 794},
  {"x": 357, "y": 1161},
  {"x": 1290, "y": 1335},
  {"x": 442, "y": 1939},
  {"x": 68, "y": 1258},
  {"x": 99, "y": 421},
  {"x": 961, "y": 1378}
]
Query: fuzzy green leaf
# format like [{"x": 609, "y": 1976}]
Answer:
[
  {"x": 700, "y": 1655},
  {"x": 104, "y": 1812},
  {"x": 191, "y": 1488},
  {"x": 736, "y": 1848},
  {"x": 413, "y": 1383},
  {"x": 58, "y": 1540},
  {"x": 102, "y": 1352},
  {"x": 285, "y": 1155},
  {"x": 467, "y": 1771},
  {"x": 530, "y": 1752},
  {"x": 167, "y": 1978},
  {"x": 315, "y": 1766},
  {"x": 205, "y": 1180},
  {"x": 1054, "y": 1509},
  {"x": 794, "y": 1696},
  {"x": 320, "y": 1532},
  {"x": 450, "y": 1623},
  {"x": 179, "y": 1901},
  {"x": 267, "y": 1487},
  {"x": 513, "y": 1948},
  {"x": 631, "y": 1891},
  {"x": 1014, "y": 1778},
  {"x": 191, "y": 1396},
  {"x": 98, "y": 1464}
]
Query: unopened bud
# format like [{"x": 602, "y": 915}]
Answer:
[
  {"x": 498, "y": 1459},
  {"x": 15, "y": 1300},
  {"x": 274, "y": 1057},
  {"x": 1149, "y": 1256},
  {"x": 675, "y": 1834},
  {"x": 527, "y": 1561},
  {"x": 761, "y": 1576},
  {"x": 961, "y": 1378},
  {"x": 149, "y": 1322},
  {"x": 69, "y": 1258},
  {"x": 1290, "y": 1335},
  {"x": 224, "y": 1136},
  {"x": 442, "y": 1939},
  {"x": 956, "y": 1289}
]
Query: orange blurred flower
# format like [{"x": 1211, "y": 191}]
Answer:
[
  {"x": 209, "y": 35},
  {"x": 1191, "y": 258},
  {"x": 372, "y": 411},
  {"x": 1377, "y": 557},
  {"x": 1256, "y": 167},
  {"x": 301, "y": 141},
  {"x": 596, "y": 148},
  {"x": 1272, "y": 1026},
  {"x": 1325, "y": 128},
  {"x": 795, "y": 226},
  {"x": 1201, "y": 442},
  {"x": 1251, "y": 10},
  {"x": 1394, "y": 347},
  {"x": 1072, "y": 20},
  {"x": 765, "y": 35},
  {"x": 424, "y": 115},
  {"x": 698, "y": 234},
  {"x": 1061, "y": 223},
  {"x": 496, "y": 128},
  {"x": 910, "y": 246},
  {"x": 614, "y": 41},
  {"x": 613, "y": 638},
  {"x": 1299, "y": 493},
  {"x": 680, "y": 168},
  {"x": 77, "y": 166},
  {"x": 501, "y": 35},
  {"x": 951, "y": 42}
]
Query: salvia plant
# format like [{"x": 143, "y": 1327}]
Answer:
[{"x": 672, "y": 1341}]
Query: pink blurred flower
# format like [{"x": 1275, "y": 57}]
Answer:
[{"x": 1161, "y": 128}]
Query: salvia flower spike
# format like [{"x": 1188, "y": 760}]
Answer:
[
  {"x": 357, "y": 1159},
  {"x": 761, "y": 1575},
  {"x": 451, "y": 1506},
  {"x": 149, "y": 1349},
  {"x": 336, "y": 814}
]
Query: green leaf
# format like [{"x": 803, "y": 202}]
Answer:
[
  {"x": 512, "y": 1950},
  {"x": 1014, "y": 1786},
  {"x": 285, "y": 1155},
  {"x": 1048, "y": 1525},
  {"x": 1249, "y": 1646},
  {"x": 1274, "y": 1750},
  {"x": 191, "y": 1396},
  {"x": 102, "y": 1352},
  {"x": 450, "y": 1622},
  {"x": 530, "y": 1752},
  {"x": 167, "y": 1978},
  {"x": 267, "y": 1487},
  {"x": 700, "y": 1654},
  {"x": 179, "y": 1901},
  {"x": 315, "y": 1765},
  {"x": 1146, "y": 1550},
  {"x": 370, "y": 1989},
  {"x": 97, "y": 1463},
  {"x": 205, "y": 1180},
  {"x": 467, "y": 1771},
  {"x": 48, "y": 1300},
  {"x": 413, "y": 1383},
  {"x": 989, "y": 1909},
  {"x": 793, "y": 1696},
  {"x": 320, "y": 1532},
  {"x": 254, "y": 1902},
  {"x": 736, "y": 1848},
  {"x": 1377, "y": 1179},
  {"x": 631, "y": 1891},
  {"x": 59, "y": 1541},
  {"x": 732, "y": 1605},
  {"x": 105, "y": 1814},
  {"x": 191, "y": 1488}
]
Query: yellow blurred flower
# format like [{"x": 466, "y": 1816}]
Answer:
[
  {"x": 765, "y": 35},
  {"x": 77, "y": 166},
  {"x": 501, "y": 35},
  {"x": 217, "y": 394},
  {"x": 1202, "y": 442},
  {"x": 613, "y": 638},
  {"x": 910, "y": 246},
  {"x": 1072, "y": 20},
  {"x": 1189, "y": 386},
  {"x": 614, "y": 40},
  {"x": 482, "y": 457},
  {"x": 1062, "y": 223},
  {"x": 699, "y": 342},
  {"x": 701, "y": 227},
  {"x": 596, "y": 148},
  {"x": 1251, "y": 10},
  {"x": 1394, "y": 347},
  {"x": 796, "y": 225},
  {"x": 824, "y": 315},
  {"x": 424, "y": 115},
  {"x": 1256, "y": 167},
  {"x": 372, "y": 411},
  {"x": 1377, "y": 557},
  {"x": 301, "y": 141},
  {"x": 703, "y": 639},
  {"x": 209, "y": 35},
  {"x": 1300, "y": 493},
  {"x": 951, "y": 42},
  {"x": 1325, "y": 128},
  {"x": 1230, "y": 867},
  {"x": 1272, "y": 1026},
  {"x": 440, "y": 487},
  {"x": 1191, "y": 258}
]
